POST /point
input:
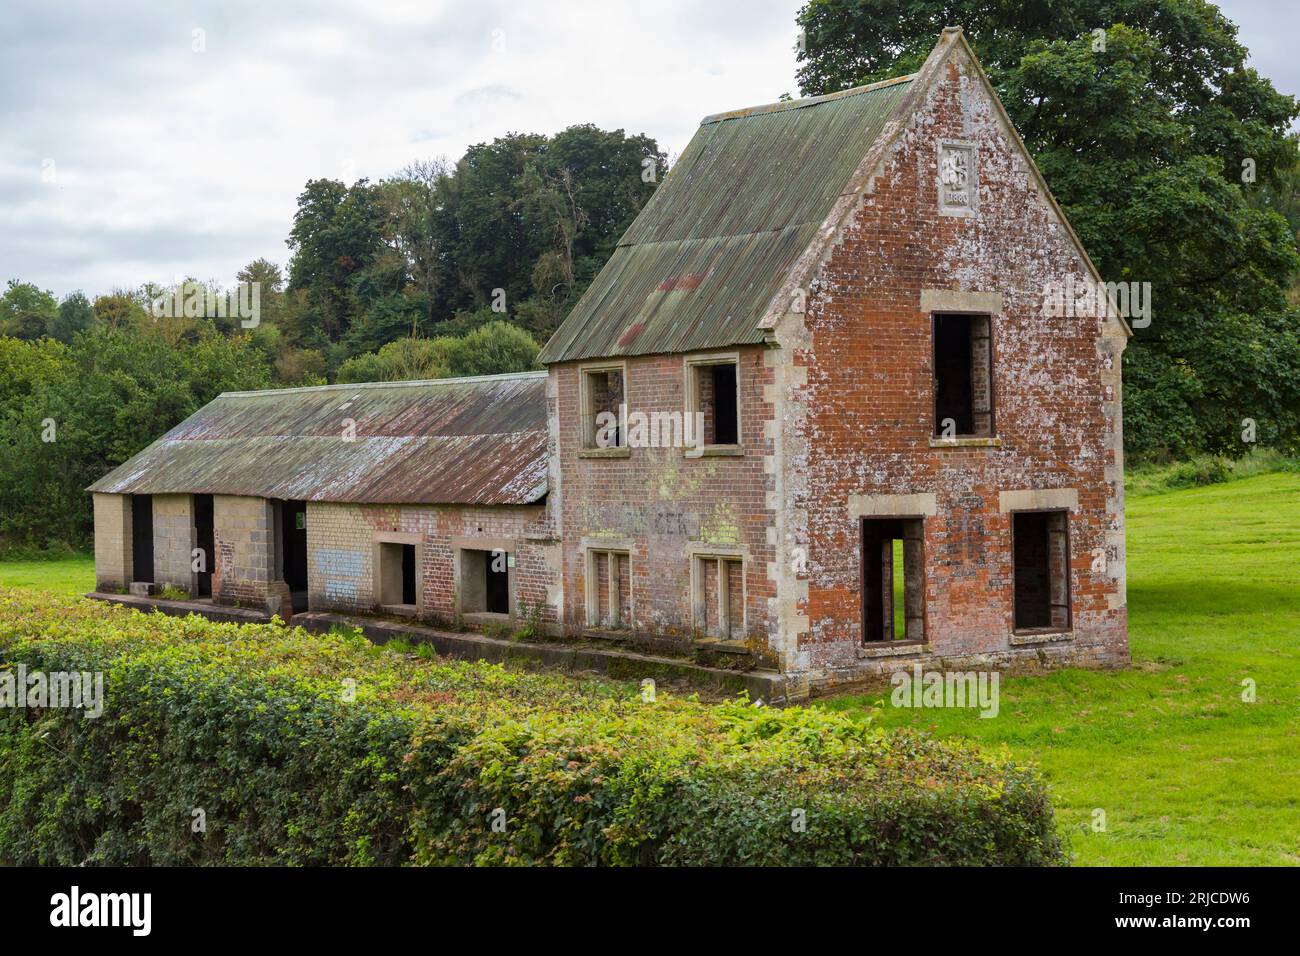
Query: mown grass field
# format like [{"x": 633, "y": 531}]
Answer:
[
  {"x": 1185, "y": 771},
  {"x": 75, "y": 575}
]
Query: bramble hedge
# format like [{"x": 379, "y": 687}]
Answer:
[{"x": 239, "y": 744}]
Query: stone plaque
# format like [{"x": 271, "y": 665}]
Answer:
[{"x": 958, "y": 181}]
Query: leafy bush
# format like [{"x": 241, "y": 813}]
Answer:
[
  {"x": 1200, "y": 471},
  {"x": 493, "y": 349},
  {"x": 301, "y": 749},
  {"x": 52, "y": 550},
  {"x": 1206, "y": 470}
]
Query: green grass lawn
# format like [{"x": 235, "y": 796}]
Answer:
[
  {"x": 1185, "y": 771},
  {"x": 75, "y": 575}
]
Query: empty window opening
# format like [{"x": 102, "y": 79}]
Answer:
[
  {"x": 719, "y": 597},
  {"x": 717, "y": 402},
  {"x": 602, "y": 396},
  {"x": 205, "y": 541},
  {"x": 142, "y": 538},
  {"x": 397, "y": 575},
  {"x": 963, "y": 386},
  {"x": 1041, "y": 558},
  {"x": 609, "y": 589},
  {"x": 893, "y": 580},
  {"x": 485, "y": 582},
  {"x": 291, "y": 546}
]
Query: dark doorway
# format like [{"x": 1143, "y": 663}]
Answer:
[
  {"x": 893, "y": 580},
  {"x": 484, "y": 581},
  {"x": 293, "y": 535},
  {"x": 952, "y": 378},
  {"x": 142, "y": 538},
  {"x": 205, "y": 541},
  {"x": 408, "y": 574},
  {"x": 497, "y": 593}
]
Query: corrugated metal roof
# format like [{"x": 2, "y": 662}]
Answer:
[
  {"x": 450, "y": 441},
  {"x": 701, "y": 263}
]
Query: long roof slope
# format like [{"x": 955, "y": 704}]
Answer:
[
  {"x": 704, "y": 259},
  {"x": 449, "y": 441}
]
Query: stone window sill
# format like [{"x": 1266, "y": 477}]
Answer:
[
  {"x": 620, "y": 452},
  {"x": 1023, "y": 638},
  {"x": 892, "y": 649},
  {"x": 968, "y": 442},
  {"x": 721, "y": 646},
  {"x": 715, "y": 451},
  {"x": 608, "y": 633},
  {"x": 484, "y": 617}
]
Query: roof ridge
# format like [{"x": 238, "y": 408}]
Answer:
[
  {"x": 165, "y": 440},
  {"x": 805, "y": 101},
  {"x": 345, "y": 386}
]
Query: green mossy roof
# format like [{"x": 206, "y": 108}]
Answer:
[{"x": 702, "y": 262}]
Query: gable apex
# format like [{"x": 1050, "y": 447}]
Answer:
[{"x": 952, "y": 38}]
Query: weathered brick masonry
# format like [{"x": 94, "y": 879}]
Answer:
[
  {"x": 858, "y": 407},
  {"x": 943, "y": 215},
  {"x": 662, "y": 506},
  {"x": 342, "y": 540}
]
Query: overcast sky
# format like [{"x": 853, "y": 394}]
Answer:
[{"x": 148, "y": 141}]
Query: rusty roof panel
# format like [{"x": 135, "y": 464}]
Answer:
[
  {"x": 701, "y": 263},
  {"x": 452, "y": 441}
]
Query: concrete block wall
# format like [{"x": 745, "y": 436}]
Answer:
[
  {"x": 856, "y": 404},
  {"x": 244, "y": 541},
  {"x": 174, "y": 541},
  {"x": 340, "y": 564},
  {"x": 112, "y": 542},
  {"x": 341, "y": 549}
]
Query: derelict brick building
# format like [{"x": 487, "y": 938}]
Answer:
[
  {"x": 902, "y": 459},
  {"x": 390, "y": 497}
]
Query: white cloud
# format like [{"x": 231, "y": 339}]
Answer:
[{"x": 170, "y": 161}]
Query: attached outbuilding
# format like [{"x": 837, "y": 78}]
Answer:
[{"x": 422, "y": 499}]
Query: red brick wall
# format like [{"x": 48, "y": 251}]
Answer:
[
  {"x": 864, "y": 418},
  {"x": 664, "y": 505},
  {"x": 340, "y": 541}
]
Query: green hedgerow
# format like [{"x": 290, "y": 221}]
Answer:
[{"x": 261, "y": 744}]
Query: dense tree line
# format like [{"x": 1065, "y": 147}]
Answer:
[
  {"x": 70, "y": 413},
  {"x": 514, "y": 232}
]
